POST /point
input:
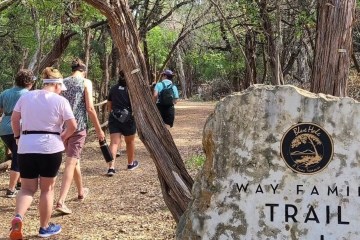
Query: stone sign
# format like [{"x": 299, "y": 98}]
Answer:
[{"x": 281, "y": 163}]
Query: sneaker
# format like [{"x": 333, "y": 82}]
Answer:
[
  {"x": 85, "y": 194},
  {"x": 111, "y": 172},
  {"x": 16, "y": 229},
  {"x": 134, "y": 165},
  {"x": 18, "y": 186},
  {"x": 62, "y": 208},
  {"x": 11, "y": 194},
  {"x": 52, "y": 229}
]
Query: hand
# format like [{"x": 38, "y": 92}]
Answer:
[{"x": 101, "y": 135}]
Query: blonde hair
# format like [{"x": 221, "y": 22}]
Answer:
[{"x": 51, "y": 73}]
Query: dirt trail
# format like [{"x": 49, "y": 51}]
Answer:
[{"x": 128, "y": 205}]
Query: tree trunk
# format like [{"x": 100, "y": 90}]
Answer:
[
  {"x": 181, "y": 73},
  {"x": 175, "y": 181},
  {"x": 250, "y": 51},
  {"x": 333, "y": 47},
  {"x": 87, "y": 46},
  {"x": 273, "y": 43}
]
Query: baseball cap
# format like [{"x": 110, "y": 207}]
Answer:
[
  {"x": 168, "y": 72},
  {"x": 56, "y": 80}
]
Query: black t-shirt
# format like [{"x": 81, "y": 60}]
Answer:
[{"x": 119, "y": 97}]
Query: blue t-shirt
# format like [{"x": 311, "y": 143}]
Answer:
[
  {"x": 8, "y": 99},
  {"x": 159, "y": 86}
]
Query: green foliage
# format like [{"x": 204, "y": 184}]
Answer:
[
  {"x": 196, "y": 161},
  {"x": 159, "y": 42},
  {"x": 2, "y": 152}
]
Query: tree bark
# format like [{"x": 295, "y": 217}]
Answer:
[
  {"x": 175, "y": 181},
  {"x": 181, "y": 73},
  {"x": 333, "y": 47}
]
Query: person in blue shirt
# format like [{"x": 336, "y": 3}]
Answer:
[
  {"x": 167, "y": 111},
  {"x": 24, "y": 81}
]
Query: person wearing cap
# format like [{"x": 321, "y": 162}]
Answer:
[
  {"x": 167, "y": 112},
  {"x": 47, "y": 121},
  {"x": 24, "y": 80},
  {"x": 80, "y": 97}
]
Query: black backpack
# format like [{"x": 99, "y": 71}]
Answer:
[{"x": 166, "y": 96}]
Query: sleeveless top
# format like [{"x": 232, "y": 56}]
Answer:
[{"x": 75, "y": 94}]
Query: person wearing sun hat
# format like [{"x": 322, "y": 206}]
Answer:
[
  {"x": 167, "y": 111},
  {"x": 43, "y": 114},
  {"x": 24, "y": 80}
]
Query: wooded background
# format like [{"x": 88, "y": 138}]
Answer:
[
  {"x": 225, "y": 44},
  {"x": 220, "y": 46}
]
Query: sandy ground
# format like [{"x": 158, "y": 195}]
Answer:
[{"x": 128, "y": 205}]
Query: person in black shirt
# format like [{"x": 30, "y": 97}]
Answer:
[{"x": 121, "y": 122}]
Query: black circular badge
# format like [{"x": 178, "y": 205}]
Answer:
[{"x": 306, "y": 148}]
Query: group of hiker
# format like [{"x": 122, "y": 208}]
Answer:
[{"x": 39, "y": 126}]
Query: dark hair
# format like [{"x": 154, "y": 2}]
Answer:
[
  {"x": 122, "y": 81},
  {"x": 24, "y": 78},
  {"x": 78, "y": 65},
  {"x": 170, "y": 77}
]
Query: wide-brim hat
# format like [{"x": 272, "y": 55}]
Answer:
[{"x": 56, "y": 80}]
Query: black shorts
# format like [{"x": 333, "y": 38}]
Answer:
[
  {"x": 34, "y": 165},
  {"x": 167, "y": 114},
  {"x": 10, "y": 142},
  {"x": 127, "y": 128}
]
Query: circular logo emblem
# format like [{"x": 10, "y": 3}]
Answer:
[{"x": 306, "y": 148}]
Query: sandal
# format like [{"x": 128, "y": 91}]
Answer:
[
  {"x": 84, "y": 195},
  {"x": 62, "y": 208}
]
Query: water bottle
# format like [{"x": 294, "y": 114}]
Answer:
[{"x": 106, "y": 151}]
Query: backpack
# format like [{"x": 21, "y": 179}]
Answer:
[{"x": 166, "y": 96}]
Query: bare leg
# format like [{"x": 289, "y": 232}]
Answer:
[
  {"x": 14, "y": 178},
  {"x": 78, "y": 179},
  {"x": 26, "y": 195},
  {"x": 67, "y": 178},
  {"x": 130, "y": 148},
  {"x": 46, "y": 200},
  {"x": 115, "y": 140}
]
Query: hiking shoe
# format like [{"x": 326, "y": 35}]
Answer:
[
  {"x": 62, "y": 208},
  {"x": 134, "y": 165},
  {"x": 85, "y": 194},
  {"x": 11, "y": 194},
  {"x": 52, "y": 229},
  {"x": 16, "y": 229},
  {"x": 18, "y": 186},
  {"x": 111, "y": 172}
]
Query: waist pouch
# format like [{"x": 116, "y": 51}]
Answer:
[{"x": 122, "y": 115}]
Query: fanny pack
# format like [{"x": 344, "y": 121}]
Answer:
[{"x": 122, "y": 115}]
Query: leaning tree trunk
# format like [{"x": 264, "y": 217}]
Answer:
[
  {"x": 175, "y": 181},
  {"x": 333, "y": 47}
]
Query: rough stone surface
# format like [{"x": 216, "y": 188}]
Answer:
[{"x": 242, "y": 141}]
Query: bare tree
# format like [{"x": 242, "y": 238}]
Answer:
[{"x": 175, "y": 181}]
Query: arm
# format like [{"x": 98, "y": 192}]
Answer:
[
  {"x": 155, "y": 93},
  {"x": 91, "y": 110},
  {"x": 71, "y": 126},
  {"x": 109, "y": 105},
  {"x": 15, "y": 123}
]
